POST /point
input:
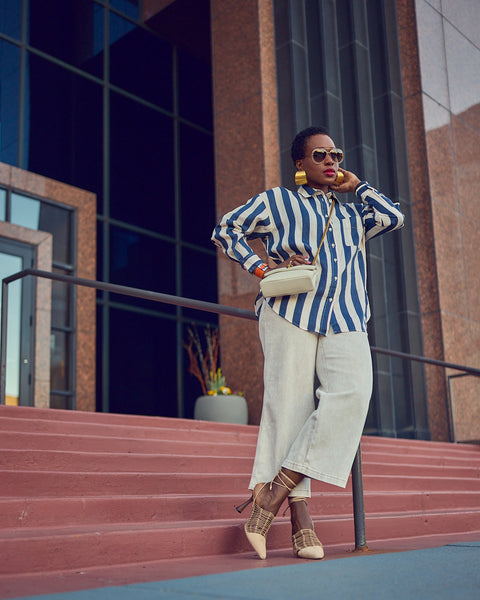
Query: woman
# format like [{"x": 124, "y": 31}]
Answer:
[{"x": 319, "y": 334}]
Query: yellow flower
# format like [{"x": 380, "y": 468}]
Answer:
[{"x": 225, "y": 390}]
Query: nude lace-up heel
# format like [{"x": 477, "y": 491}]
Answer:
[
  {"x": 260, "y": 520},
  {"x": 305, "y": 541}
]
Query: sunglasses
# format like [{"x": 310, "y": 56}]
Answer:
[{"x": 319, "y": 155}]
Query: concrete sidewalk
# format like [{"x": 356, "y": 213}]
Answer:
[{"x": 447, "y": 572}]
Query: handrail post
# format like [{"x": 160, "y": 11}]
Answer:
[
  {"x": 3, "y": 344},
  {"x": 358, "y": 503}
]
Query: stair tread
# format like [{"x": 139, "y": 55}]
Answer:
[
  {"x": 107, "y": 528},
  {"x": 79, "y": 488}
]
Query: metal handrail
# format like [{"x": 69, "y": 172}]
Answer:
[{"x": 357, "y": 480}]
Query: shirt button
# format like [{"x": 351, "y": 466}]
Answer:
[
  {"x": 330, "y": 299},
  {"x": 335, "y": 278},
  {"x": 333, "y": 245},
  {"x": 334, "y": 260}
]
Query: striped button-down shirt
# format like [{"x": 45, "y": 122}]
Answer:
[{"x": 293, "y": 223}]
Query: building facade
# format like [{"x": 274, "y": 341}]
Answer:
[{"x": 128, "y": 128}]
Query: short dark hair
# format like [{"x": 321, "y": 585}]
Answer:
[{"x": 298, "y": 145}]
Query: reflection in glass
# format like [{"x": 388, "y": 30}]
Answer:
[
  {"x": 44, "y": 216},
  {"x": 3, "y": 204},
  {"x": 60, "y": 301},
  {"x": 11, "y": 18},
  {"x": 59, "y": 360},
  {"x": 140, "y": 62},
  {"x": 70, "y": 31},
  {"x": 12, "y": 264},
  {"x": 128, "y": 7},
  {"x": 9, "y": 102},
  {"x": 58, "y": 221},
  {"x": 143, "y": 262},
  {"x": 25, "y": 211},
  {"x": 64, "y": 125}
]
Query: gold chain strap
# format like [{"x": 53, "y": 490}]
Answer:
[{"x": 325, "y": 231}]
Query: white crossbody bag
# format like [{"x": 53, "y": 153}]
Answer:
[{"x": 289, "y": 281}]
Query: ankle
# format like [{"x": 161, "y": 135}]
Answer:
[{"x": 299, "y": 515}]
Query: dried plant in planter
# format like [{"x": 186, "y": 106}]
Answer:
[{"x": 203, "y": 355}]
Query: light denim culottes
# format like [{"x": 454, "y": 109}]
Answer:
[{"x": 320, "y": 442}]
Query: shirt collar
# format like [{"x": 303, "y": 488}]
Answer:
[{"x": 308, "y": 192}]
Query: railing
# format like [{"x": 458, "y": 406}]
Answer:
[{"x": 357, "y": 479}]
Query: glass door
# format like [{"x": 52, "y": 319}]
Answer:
[{"x": 15, "y": 256}]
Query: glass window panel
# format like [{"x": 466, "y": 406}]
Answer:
[
  {"x": 3, "y": 204},
  {"x": 143, "y": 262},
  {"x": 59, "y": 366},
  {"x": 195, "y": 89},
  {"x": 25, "y": 211},
  {"x": 61, "y": 401},
  {"x": 142, "y": 364},
  {"x": 43, "y": 216},
  {"x": 64, "y": 125},
  {"x": 141, "y": 169},
  {"x": 61, "y": 301},
  {"x": 199, "y": 281},
  {"x": 197, "y": 186},
  {"x": 58, "y": 221},
  {"x": 9, "y": 264},
  {"x": 71, "y": 31},
  {"x": 11, "y": 18},
  {"x": 140, "y": 62},
  {"x": 9, "y": 102},
  {"x": 128, "y": 7}
]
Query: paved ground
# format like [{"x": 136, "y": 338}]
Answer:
[{"x": 447, "y": 572}]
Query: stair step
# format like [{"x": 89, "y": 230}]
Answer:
[
  {"x": 44, "y": 426},
  {"x": 48, "y": 512},
  {"x": 82, "y": 491},
  {"x": 59, "y": 460},
  {"x": 82, "y": 547},
  {"x": 71, "y": 442}
]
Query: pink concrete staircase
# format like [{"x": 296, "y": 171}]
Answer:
[{"x": 86, "y": 493}]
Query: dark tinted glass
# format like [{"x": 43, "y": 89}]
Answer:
[
  {"x": 142, "y": 364},
  {"x": 197, "y": 186},
  {"x": 61, "y": 401},
  {"x": 11, "y": 18},
  {"x": 199, "y": 275},
  {"x": 58, "y": 222},
  {"x": 195, "y": 89},
  {"x": 64, "y": 125},
  {"x": 59, "y": 366},
  {"x": 3, "y": 204},
  {"x": 9, "y": 102},
  {"x": 143, "y": 262},
  {"x": 140, "y": 62},
  {"x": 141, "y": 168},
  {"x": 71, "y": 31},
  {"x": 61, "y": 295},
  {"x": 34, "y": 214},
  {"x": 128, "y": 7}
]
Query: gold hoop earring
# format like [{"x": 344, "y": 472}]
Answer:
[{"x": 300, "y": 178}]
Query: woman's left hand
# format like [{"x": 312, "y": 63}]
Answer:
[
  {"x": 293, "y": 261},
  {"x": 349, "y": 183}
]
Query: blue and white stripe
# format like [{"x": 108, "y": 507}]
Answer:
[{"x": 293, "y": 223}]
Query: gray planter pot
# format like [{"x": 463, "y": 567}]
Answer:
[{"x": 226, "y": 409}]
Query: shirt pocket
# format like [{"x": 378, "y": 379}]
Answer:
[{"x": 352, "y": 230}]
